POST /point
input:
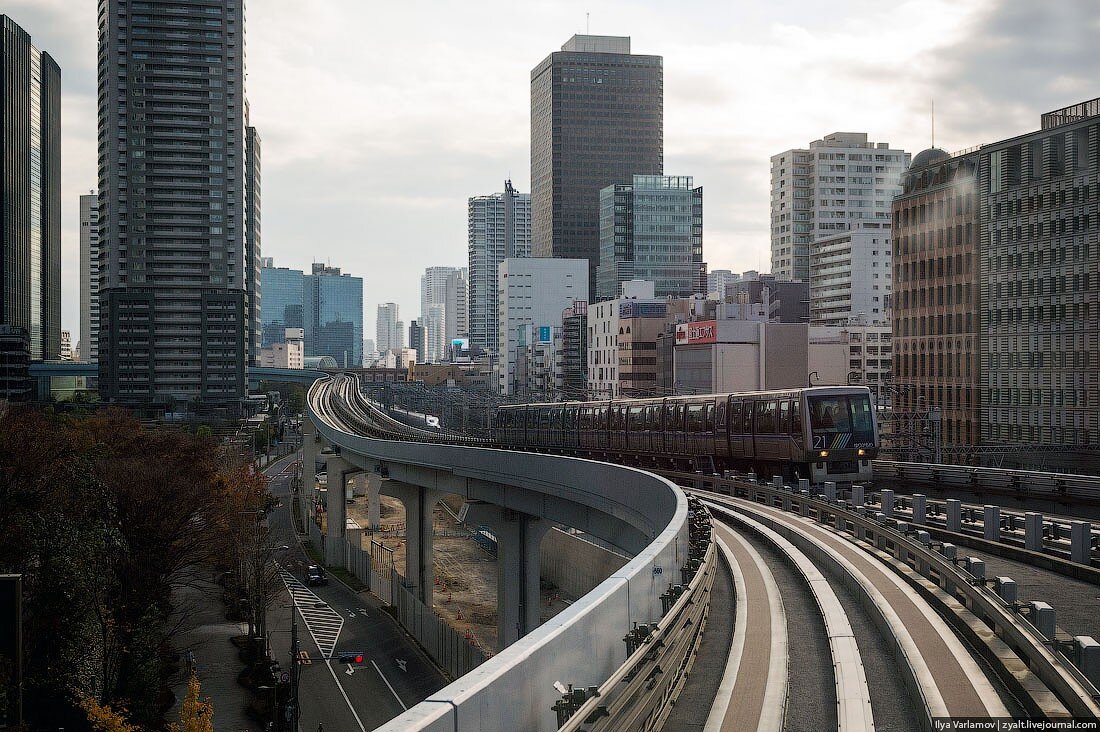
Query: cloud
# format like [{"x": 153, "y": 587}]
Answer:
[{"x": 379, "y": 120}]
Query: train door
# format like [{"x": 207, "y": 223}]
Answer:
[
  {"x": 767, "y": 439},
  {"x": 636, "y": 428},
  {"x": 748, "y": 445},
  {"x": 615, "y": 429},
  {"x": 721, "y": 428},
  {"x": 603, "y": 426},
  {"x": 675, "y": 430}
]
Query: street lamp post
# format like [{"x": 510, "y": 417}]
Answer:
[{"x": 810, "y": 378}]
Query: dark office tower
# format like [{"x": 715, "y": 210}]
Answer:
[
  {"x": 597, "y": 119},
  {"x": 416, "y": 339},
  {"x": 252, "y": 259},
  {"x": 172, "y": 176},
  {"x": 30, "y": 195}
]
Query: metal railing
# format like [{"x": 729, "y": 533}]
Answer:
[{"x": 1018, "y": 482}]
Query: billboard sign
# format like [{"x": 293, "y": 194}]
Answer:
[
  {"x": 701, "y": 332},
  {"x": 545, "y": 334}
]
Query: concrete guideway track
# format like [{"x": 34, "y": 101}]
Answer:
[
  {"x": 947, "y": 680},
  {"x": 753, "y": 691}
]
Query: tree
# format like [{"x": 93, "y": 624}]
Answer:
[
  {"x": 197, "y": 715},
  {"x": 103, "y": 718}
]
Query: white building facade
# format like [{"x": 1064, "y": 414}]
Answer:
[
  {"x": 828, "y": 188},
  {"x": 850, "y": 277},
  {"x": 447, "y": 288},
  {"x": 389, "y": 330},
  {"x": 532, "y": 293}
]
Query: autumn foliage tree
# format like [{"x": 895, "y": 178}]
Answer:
[{"x": 106, "y": 520}]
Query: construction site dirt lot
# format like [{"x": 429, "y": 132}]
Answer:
[{"x": 465, "y": 594}]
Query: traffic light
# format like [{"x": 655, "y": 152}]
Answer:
[{"x": 352, "y": 657}]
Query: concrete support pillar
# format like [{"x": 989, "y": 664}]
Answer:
[
  {"x": 374, "y": 502},
  {"x": 857, "y": 496},
  {"x": 336, "y": 508},
  {"x": 1080, "y": 542},
  {"x": 310, "y": 449},
  {"x": 519, "y": 537},
  {"x": 920, "y": 509},
  {"x": 888, "y": 502},
  {"x": 1033, "y": 531},
  {"x": 954, "y": 514},
  {"x": 419, "y": 530},
  {"x": 991, "y": 523}
]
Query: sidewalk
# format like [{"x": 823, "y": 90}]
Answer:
[{"x": 206, "y": 634}]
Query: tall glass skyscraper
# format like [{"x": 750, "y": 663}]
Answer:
[
  {"x": 333, "y": 314},
  {"x": 499, "y": 227},
  {"x": 284, "y": 296},
  {"x": 173, "y": 121},
  {"x": 30, "y": 197},
  {"x": 597, "y": 119},
  {"x": 652, "y": 230}
]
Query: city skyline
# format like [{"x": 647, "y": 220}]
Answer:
[{"x": 313, "y": 159}]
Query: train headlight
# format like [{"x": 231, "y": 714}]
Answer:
[
  {"x": 824, "y": 453},
  {"x": 861, "y": 452}
]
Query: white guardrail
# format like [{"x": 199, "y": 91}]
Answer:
[{"x": 583, "y": 646}]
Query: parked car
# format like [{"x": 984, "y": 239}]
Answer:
[{"x": 316, "y": 575}]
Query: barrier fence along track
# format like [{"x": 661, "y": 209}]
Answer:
[
  {"x": 640, "y": 694},
  {"x": 1015, "y": 482},
  {"x": 1054, "y": 669}
]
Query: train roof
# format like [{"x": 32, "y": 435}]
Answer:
[{"x": 810, "y": 390}]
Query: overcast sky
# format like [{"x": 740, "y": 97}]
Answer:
[{"x": 380, "y": 119}]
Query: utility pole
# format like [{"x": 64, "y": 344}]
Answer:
[{"x": 294, "y": 659}]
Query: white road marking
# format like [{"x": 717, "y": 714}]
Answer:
[
  {"x": 395, "y": 696},
  {"x": 401, "y": 664}
]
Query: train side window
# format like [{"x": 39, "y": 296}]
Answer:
[
  {"x": 746, "y": 418},
  {"x": 708, "y": 417},
  {"x": 796, "y": 417},
  {"x": 636, "y": 419},
  {"x": 784, "y": 417},
  {"x": 765, "y": 418},
  {"x": 653, "y": 417},
  {"x": 735, "y": 417},
  {"x": 695, "y": 417}
]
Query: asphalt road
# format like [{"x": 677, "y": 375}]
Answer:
[{"x": 395, "y": 673}]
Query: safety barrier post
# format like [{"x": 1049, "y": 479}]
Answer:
[
  {"x": 991, "y": 523},
  {"x": 1033, "y": 531},
  {"x": 954, "y": 514},
  {"x": 1080, "y": 538},
  {"x": 888, "y": 502},
  {"x": 920, "y": 509}
]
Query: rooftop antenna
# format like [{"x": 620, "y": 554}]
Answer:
[
  {"x": 933, "y": 121},
  {"x": 587, "y": 24}
]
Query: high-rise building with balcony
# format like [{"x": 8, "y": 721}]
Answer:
[
  {"x": 30, "y": 197},
  {"x": 652, "y": 229},
  {"x": 89, "y": 277},
  {"x": 826, "y": 189},
  {"x": 173, "y": 156},
  {"x": 850, "y": 277},
  {"x": 499, "y": 227},
  {"x": 597, "y": 119},
  {"x": 388, "y": 326},
  {"x": 446, "y": 288},
  {"x": 252, "y": 260}
]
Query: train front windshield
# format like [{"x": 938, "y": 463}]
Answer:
[{"x": 842, "y": 421}]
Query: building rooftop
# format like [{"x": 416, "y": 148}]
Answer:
[
  {"x": 598, "y": 44},
  {"x": 929, "y": 156}
]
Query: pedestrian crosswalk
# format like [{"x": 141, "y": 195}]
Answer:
[{"x": 323, "y": 623}]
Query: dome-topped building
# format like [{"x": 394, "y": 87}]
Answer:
[{"x": 928, "y": 157}]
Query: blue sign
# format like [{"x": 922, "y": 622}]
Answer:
[{"x": 544, "y": 334}]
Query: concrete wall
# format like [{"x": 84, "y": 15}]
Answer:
[{"x": 576, "y": 565}]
